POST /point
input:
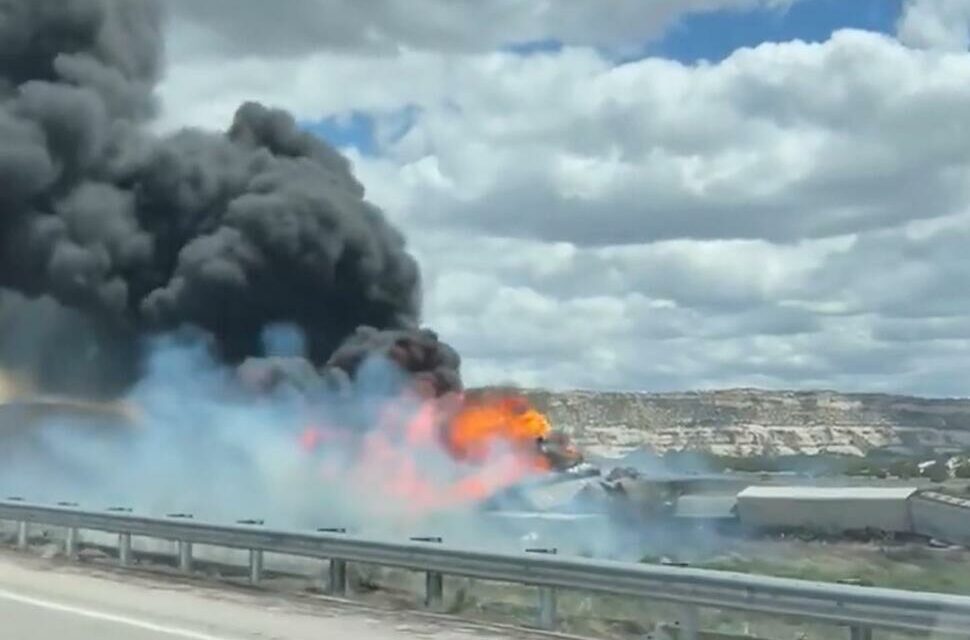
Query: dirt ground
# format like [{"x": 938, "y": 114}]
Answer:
[{"x": 914, "y": 566}]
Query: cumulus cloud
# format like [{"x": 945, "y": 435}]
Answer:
[
  {"x": 781, "y": 142},
  {"x": 790, "y": 216},
  {"x": 938, "y": 24},
  {"x": 784, "y": 141},
  {"x": 387, "y": 26}
]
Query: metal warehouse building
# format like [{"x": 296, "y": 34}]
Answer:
[
  {"x": 826, "y": 509},
  {"x": 710, "y": 508},
  {"x": 936, "y": 515}
]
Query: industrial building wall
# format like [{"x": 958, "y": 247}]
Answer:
[
  {"x": 940, "y": 516},
  {"x": 827, "y": 512}
]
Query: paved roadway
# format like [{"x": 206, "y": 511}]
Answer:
[{"x": 44, "y": 600}]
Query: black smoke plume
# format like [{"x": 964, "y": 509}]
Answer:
[
  {"x": 124, "y": 234},
  {"x": 432, "y": 364}
]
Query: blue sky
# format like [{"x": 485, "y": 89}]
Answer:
[
  {"x": 713, "y": 36},
  {"x": 702, "y": 36},
  {"x": 355, "y": 130}
]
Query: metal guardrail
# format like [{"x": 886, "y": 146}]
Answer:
[{"x": 861, "y": 609}]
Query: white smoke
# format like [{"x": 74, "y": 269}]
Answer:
[{"x": 202, "y": 443}]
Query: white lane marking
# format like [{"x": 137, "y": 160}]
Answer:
[{"x": 109, "y": 617}]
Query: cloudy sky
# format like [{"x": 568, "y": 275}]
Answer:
[{"x": 664, "y": 194}]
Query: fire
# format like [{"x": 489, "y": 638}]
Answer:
[
  {"x": 431, "y": 454},
  {"x": 482, "y": 425}
]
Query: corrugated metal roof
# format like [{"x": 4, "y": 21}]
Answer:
[
  {"x": 948, "y": 499},
  {"x": 827, "y": 493}
]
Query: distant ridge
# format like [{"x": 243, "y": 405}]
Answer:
[{"x": 753, "y": 421}]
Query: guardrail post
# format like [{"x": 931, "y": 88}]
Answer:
[
  {"x": 255, "y": 555},
  {"x": 338, "y": 577},
  {"x": 434, "y": 581},
  {"x": 547, "y": 608},
  {"x": 185, "y": 556},
  {"x": 434, "y": 590},
  {"x": 337, "y": 581},
  {"x": 689, "y": 623},
  {"x": 860, "y": 633},
  {"x": 185, "y": 547},
  {"x": 124, "y": 549},
  {"x": 255, "y": 566},
  {"x": 22, "y": 535},
  {"x": 70, "y": 544},
  {"x": 547, "y": 597}
]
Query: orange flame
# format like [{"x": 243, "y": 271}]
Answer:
[
  {"x": 491, "y": 443},
  {"x": 482, "y": 425}
]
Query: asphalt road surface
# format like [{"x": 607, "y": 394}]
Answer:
[{"x": 46, "y": 600}]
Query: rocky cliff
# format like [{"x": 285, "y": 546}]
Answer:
[{"x": 745, "y": 422}]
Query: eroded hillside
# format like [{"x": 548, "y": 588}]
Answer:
[{"x": 749, "y": 422}]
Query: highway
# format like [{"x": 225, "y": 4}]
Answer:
[{"x": 47, "y": 600}]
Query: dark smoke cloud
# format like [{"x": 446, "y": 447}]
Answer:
[
  {"x": 432, "y": 364},
  {"x": 228, "y": 233},
  {"x": 56, "y": 349}
]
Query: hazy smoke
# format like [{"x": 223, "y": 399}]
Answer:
[
  {"x": 54, "y": 348},
  {"x": 186, "y": 439},
  {"x": 230, "y": 233}
]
